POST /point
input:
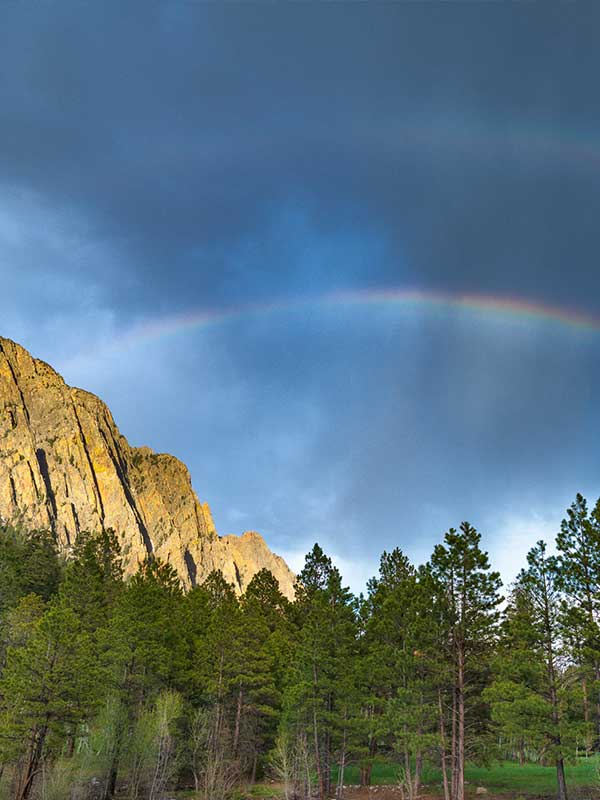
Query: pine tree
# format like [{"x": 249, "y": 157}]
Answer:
[
  {"x": 413, "y": 713},
  {"x": 263, "y": 653},
  {"x": 51, "y": 684},
  {"x": 29, "y": 564},
  {"x": 212, "y": 627},
  {"x": 380, "y": 642},
  {"x": 469, "y": 595},
  {"x": 529, "y": 695},
  {"x": 93, "y": 579},
  {"x": 401, "y": 647},
  {"x": 578, "y": 577},
  {"x": 145, "y": 649},
  {"x": 321, "y": 688}
]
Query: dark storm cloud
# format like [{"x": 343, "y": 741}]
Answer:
[
  {"x": 158, "y": 159},
  {"x": 180, "y": 126}
]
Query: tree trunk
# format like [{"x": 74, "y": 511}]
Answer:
[
  {"x": 113, "y": 772},
  {"x": 327, "y": 752},
  {"x": 586, "y": 716},
  {"x": 417, "y": 776},
  {"x": 238, "y": 717},
  {"x": 444, "y": 754},
  {"x": 326, "y": 764},
  {"x": 365, "y": 775},
  {"x": 597, "y": 680},
  {"x": 454, "y": 743},
  {"x": 25, "y": 784},
  {"x": 342, "y": 765},
  {"x": 218, "y": 706},
  {"x": 365, "y": 772},
  {"x": 460, "y": 747},
  {"x": 318, "y": 765},
  {"x": 407, "y": 782},
  {"x": 307, "y": 770},
  {"x": 560, "y": 779},
  {"x": 418, "y": 758},
  {"x": 111, "y": 783},
  {"x": 70, "y": 747},
  {"x": 521, "y": 753}
]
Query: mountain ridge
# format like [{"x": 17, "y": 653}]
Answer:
[{"x": 65, "y": 466}]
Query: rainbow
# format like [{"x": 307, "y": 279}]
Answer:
[{"x": 504, "y": 309}]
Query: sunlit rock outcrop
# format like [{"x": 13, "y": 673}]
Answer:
[{"x": 65, "y": 466}]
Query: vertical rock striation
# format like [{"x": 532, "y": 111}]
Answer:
[{"x": 65, "y": 466}]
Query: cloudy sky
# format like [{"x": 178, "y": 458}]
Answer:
[{"x": 198, "y": 203}]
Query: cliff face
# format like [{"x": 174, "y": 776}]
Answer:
[{"x": 64, "y": 466}]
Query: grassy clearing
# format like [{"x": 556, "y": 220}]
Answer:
[
  {"x": 534, "y": 779},
  {"x": 503, "y": 778},
  {"x": 507, "y": 779},
  {"x": 265, "y": 792}
]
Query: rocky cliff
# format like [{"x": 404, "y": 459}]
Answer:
[{"x": 65, "y": 466}]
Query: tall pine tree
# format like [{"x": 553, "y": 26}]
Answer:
[
  {"x": 578, "y": 577},
  {"x": 530, "y": 695},
  {"x": 469, "y": 596}
]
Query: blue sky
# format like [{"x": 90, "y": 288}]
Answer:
[{"x": 164, "y": 160}]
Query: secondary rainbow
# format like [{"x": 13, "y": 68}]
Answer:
[{"x": 501, "y": 308}]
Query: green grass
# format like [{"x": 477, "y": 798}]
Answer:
[
  {"x": 262, "y": 791},
  {"x": 507, "y": 779},
  {"x": 533, "y": 778},
  {"x": 503, "y": 778}
]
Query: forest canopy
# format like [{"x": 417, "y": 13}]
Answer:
[{"x": 131, "y": 687}]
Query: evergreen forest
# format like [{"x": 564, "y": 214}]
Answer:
[{"x": 114, "y": 687}]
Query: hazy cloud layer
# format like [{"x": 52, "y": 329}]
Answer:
[{"x": 156, "y": 161}]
